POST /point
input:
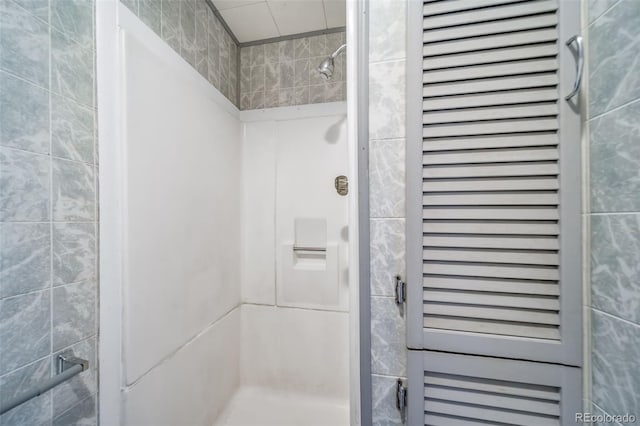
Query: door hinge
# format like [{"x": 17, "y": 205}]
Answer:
[
  {"x": 401, "y": 399},
  {"x": 401, "y": 291}
]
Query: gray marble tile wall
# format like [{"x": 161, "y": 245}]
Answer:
[
  {"x": 614, "y": 215},
  {"x": 194, "y": 32},
  {"x": 48, "y": 206},
  {"x": 387, "y": 53},
  {"x": 284, "y": 73}
]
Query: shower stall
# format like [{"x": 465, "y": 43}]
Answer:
[{"x": 228, "y": 244}]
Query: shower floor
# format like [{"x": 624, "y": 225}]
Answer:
[{"x": 252, "y": 406}]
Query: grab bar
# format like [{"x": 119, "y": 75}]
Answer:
[
  {"x": 297, "y": 248},
  {"x": 67, "y": 368}
]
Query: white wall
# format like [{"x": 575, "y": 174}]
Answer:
[
  {"x": 290, "y": 157},
  {"x": 298, "y": 351},
  {"x": 182, "y": 238}
]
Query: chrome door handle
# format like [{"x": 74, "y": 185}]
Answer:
[{"x": 579, "y": 67}]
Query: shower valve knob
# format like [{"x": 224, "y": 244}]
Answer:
[{"x": 342, "y": 185}]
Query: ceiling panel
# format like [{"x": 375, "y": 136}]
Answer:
[
  {"x": 336, "y": 13},
  {"x": 297, "y": 16},
  {"x": 228, "y": 4},
  {"x": 250, "y": 22}
]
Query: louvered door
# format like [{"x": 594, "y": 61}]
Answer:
[
  {"x": 465, "y": 390},
  {"x": 493, "y": 179},
  {"x": 493, "y": 213}
]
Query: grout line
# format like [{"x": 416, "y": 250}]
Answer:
[
  {"x": 16, "y": 76},
  {"x": 48, "y": 89},
  {"x": 40, "y": 290},
  {"x": 273, "y": 18},
  {"x": 45, "y": 222},
  {"x": 619, "y": 107},
  {"x": 615, "y": 317},
  {"x": 386, "y": 376},
  {"x": 386, "y": 217},
  {"x": 387, "y": 61},
  {"x": 613, "y": 213},
  {"x": 51, "y": 216},
  {"x": 602, "y": 14},
  {"x": 324, "y": 12},
  {"x": 75, "y": 405},
  {"x": 29, "y": 364}
]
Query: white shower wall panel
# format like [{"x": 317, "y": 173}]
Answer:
[
  {"x": 258, "y": 212},
  {"x": 302, "y": 351},
  {"x": 290, "y": 158},
  {"x": 193, "y": 386},
  {"x": 182, "y": 241}
]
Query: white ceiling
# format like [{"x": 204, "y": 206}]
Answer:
[{"x": 252, "y": 20}]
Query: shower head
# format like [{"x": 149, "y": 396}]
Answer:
[{"x": 327, "y": 66}]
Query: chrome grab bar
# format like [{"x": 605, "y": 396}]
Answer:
[
  {"x": 67, "y": 368},
  {"x": 297, "y": 248},
  {"x": 579, "y": 67}
]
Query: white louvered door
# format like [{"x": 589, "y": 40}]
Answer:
[
  {"x": 493, "y": 194},
  {"x": 465, "y": 390}
]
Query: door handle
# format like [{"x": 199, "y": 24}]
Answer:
[{"x": 580, "y": 65}]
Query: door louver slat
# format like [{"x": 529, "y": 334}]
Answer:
[
  {"x": 491, "y": 113},
  {"x": 490, "y": 85},
  {"x": 495, "y": 41},
  {"x": 493, "y": 227},
  {"x": 451, "y": 185},
  {"x": 492, "y": 70},
  {"x": 491, "y": 285},
  {"x": 503, "y": 213},
  {"x": 489, "y": 56},
  {"x": 436, "y": 8},
  {"x": 490, "y": 28},
  {"x": 489, "y": 14},
  {"x": 499, "y": 141}
]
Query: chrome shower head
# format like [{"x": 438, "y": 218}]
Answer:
[{"x": 327, "y": 66}]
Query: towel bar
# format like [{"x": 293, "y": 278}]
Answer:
[{"x": 67, "y": 368}]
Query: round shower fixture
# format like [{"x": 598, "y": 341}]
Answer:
[{"x": 326, "y": 67}]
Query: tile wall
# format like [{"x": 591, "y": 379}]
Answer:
[
  {"x": 193, "y": 31},
  {"x": 614, "y": 125},
  {"x": 48, "y": 206},
  {"x": 284, "y": 73},
  {"x": 387, "y": 53}
]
